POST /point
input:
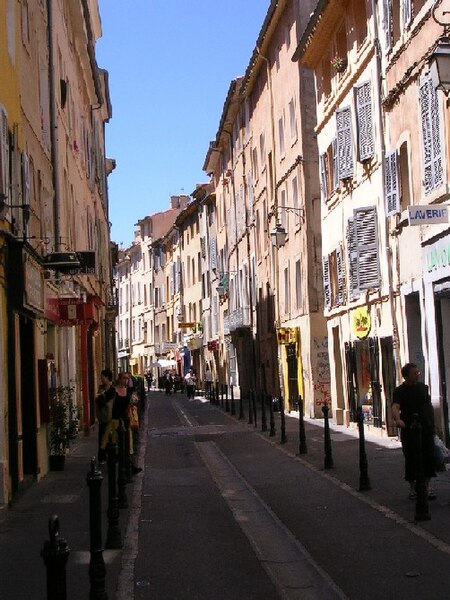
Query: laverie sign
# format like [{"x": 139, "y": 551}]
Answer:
[
  {"x": 424, "y": 215},
  {"x": 437, "y": 259}
]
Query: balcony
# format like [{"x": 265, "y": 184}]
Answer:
[{"x": 238, "y": 319}]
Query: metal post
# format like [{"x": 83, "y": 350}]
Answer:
[
  {"x": 227, "y": 404},
  {"x": 364, "y": 481},
  {"x": 241, "y": 404},
  {"x": 263, "y": 412},
  {"x": 97, "y": 569},
  {"x": 283, "y": 439},
  {"x": 328, "y": 462},
  {"x": 122, "y": 477},
  {"x": 250, "y": 407},
  {"x": 272, "y": 418},
  {"x": 302, "y": 447},
  {"x": 113, "y": 536},
  {"x": 55, "y": 554},
  {"x": 255, "y": 416},
  {"x": 232, "y": 406},
  {"x": 422, "y": 512},
  {"x": 216, "y": 392}
]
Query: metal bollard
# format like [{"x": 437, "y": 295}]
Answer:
[
  {"x": 122, "y": 476},
  {"x": 302, "y": 447},
  {"x": 364, "y": 481},
  {"x": 283, "y": 439},
  {"x": 97, "y": 569},
  {"x": 227, "y": 404},
  {"x": 255, "y": 415},
  {"x": 241, "y": 404},
  {"x": 250, "y": 407},
  {"x": 232, "y": 406},
  {"x": 55, "y": 554},
  {"x": 422, "y": 512},
  {"x": 113, "y": 536},
  {"x": 216, "y": 392},
  {"x": 272, "y": 418},
  {"x": 328, "y": 461},
  {"x": 263, "y": 412}
]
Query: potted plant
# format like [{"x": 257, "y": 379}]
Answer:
[
  {"x": 338, "y": 63},
  {"x": 59, "y": 426}
]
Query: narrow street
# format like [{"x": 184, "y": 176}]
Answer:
[{"x": 223, "y": 514}]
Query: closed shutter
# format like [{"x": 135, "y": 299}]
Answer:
[
  {"x": 406, "y": 12},
  {"x": 178, "y": 276},
  {"x": 203, "y": 246},
  {"x": 323, "y": 177},
  {"x": 340, "y": 275},
  {"x": 25, "y": 190},
  {"x": 344, "y": 142},
  {"x": 4, "y": 154},
  {"x": 364, "y": 119},
  {"x": 367, "y": 247},
  {"x": 335, "y": 164},
  {"x": 172, "y": 278},
  {"x": 326, "y": 281},
  {"x": 387, "y": 24},
  {"x": 213, "y": 253},
  {"x": 352, "y": 259},
  {"x": 431, "y": 136},
  {"x": 391, "y": 183}
]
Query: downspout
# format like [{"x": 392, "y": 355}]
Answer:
[
  {"x": 378, "y": 80},
  {"x": 53, "y": 129}
]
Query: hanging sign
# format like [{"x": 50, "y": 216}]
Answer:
[
  {"x": 361, "y": 322},
  {"x": 286, "y": 335},
  {"x": 426, "y": 214}
]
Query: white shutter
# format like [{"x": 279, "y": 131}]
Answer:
[
  {"x": 323, "y": 177},
  {"x": 335, "y": 164},
  {"x": 352, "y": 259},
  {"x": 344, "y": 142},
  {"x": 366, "y": 230},
  {"x": 391, "y": 183},
  {"x": 406, "y": 12},
  {"x": 387, "y": 24},
  {"x": 364, "y": 119},
  {"x": 213, "y": 253},
  {"x": 340, "y": 275},
  {"x": 431, "y": 136},
  {"x": 326, "y": 281}
]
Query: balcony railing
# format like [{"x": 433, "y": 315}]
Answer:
[{"x": 238, "y": 319}]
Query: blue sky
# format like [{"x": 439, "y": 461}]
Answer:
[{"x": 170, "y": 64}]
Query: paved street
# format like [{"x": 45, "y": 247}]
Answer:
[{"x": 224, "y": 511}]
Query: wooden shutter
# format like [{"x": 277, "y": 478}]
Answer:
[
  {"x": 323, "y": 177},
  {"x": 352, "y": 259},
  {"x": 340, "y": 275},
  {"x": 213, "y": 253},
  {"x": 406, "y": 12},
  {"x": 391, "y": 183},
  {"x": 335, "y": 164},
  {"x": 366, "y": 231},
  {"x": 364, "y": 119},
  {"x": 387, "y": 24},
  {"x": 203, "y": 246},
  {"x": 344, "y": 142},
  {"x": 326, "y": 281},
  {"x": 431, "y": 136},
  {"x": 4, "y": 154}
]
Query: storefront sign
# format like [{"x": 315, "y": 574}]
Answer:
[
  {"x": 424, "y": 215},
  {"x": 67, "y": 312},
  {"x": 33, "y": 292},
  {"x": 287, "y": 335},
  {"x": 437, "y": 259},
  {"x": 361, "y": 322},
  {"x": 213, "y": 346},
  {"x": 186, "y": 325}
]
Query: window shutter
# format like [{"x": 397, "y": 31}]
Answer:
[
  {"x": 352, "y": 259},
  {"x": 203, "y": 246},
  {"x": 431, "y": 136},
  {"x": 344, "y": 142},
  {"x": 366, "y": 146},
  {"x": 406, "y": 12},
  {"x": 387, "y": 24},
  {"x": 178, "y": 275},
  {"x": 391, "y": 183},
  {"x": 335, "y": 164},
  {"x": 172, "y": 278},
  {"x": 323, "y": 177},
  {"x": 340, "y": 275},
  {"x": 213, "y": 253},
  {"x": 4, "y": 154},
  {"x": 326, "y": 281},
  {"x": 367, "y": 247}
]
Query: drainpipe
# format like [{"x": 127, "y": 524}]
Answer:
[{"x": 53, "y": 129}]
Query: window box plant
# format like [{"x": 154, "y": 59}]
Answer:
[{"x": 339, "y": 63}]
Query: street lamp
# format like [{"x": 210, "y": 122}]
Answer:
[
  {"x": 278, "y": 233},
  {"x": 440, "y": 58},
  {"x": 222, "y": 288}
]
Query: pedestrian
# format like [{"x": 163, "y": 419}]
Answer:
[
  {"x": 103, "y": 409},
  {"x": 190, "y": 380},
  {"x": 149, "y": 380},
  {"x": 168, "y": 383},
  {"x": 123, "y": 399},
  {"x": 409, "y": 399},
  {"x": 208, "y": 381}
]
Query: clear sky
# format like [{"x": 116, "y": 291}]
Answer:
[{"x": 170, "y": 64}]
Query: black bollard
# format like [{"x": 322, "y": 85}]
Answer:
[
  {"x": 232, "y": 406},
  {"x": 328, "y": 462},
  {"x": 122, "y": 476},
  {"x": 227, "y": 404},
  {"x": 283, "y": 438},
  {"x": 364, "y": 481},
  {"x": 127, "y": 454},
  {"x": 216, "y": 392},
  {"x": 113, "y": 536},
  {"x": 263, "y": 412},
  {"x": 241, "y": 403},
  {"x": 272, "y": 418},
  {"x": 422, "y": 512},
  {"x": 250, "y": 407},
  {"x": 97, "y": 569},
  {"x": 55, "y": 554},
  {"x": 302, "y": 447},
  {"x": 255, "y": 416}
]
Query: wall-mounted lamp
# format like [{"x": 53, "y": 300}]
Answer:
[
  {"x": 278, "y": 233},
  {"x": 440, "y": 58},
  {"x": 62, "y": 261},
  {"x": 4, "y": 207},
  {"x": 222, "y": 288}
]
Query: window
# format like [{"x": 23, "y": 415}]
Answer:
[
  {"x": 431, "y": 135},
  {"x": 262, "y": 150},
  {"x": 334, "y": 278},
  {"x": 362, "y": 247},
  {"x": 329, "y": 175},
  {"x": 364, "y": 121},
  {"x": 255, "y": 163},
  {"x": 287, "y": 303},
  {"x": 360, "y": 16},
  {"x": 281, "y": 136},
  {"x": 298, "y": 285},
  {"x": 295, "y": 199},
  {"x": 344, "y": 143},
  {"x": 391, "y": 183},
  {"x": 326, "y": 76},
  {"x": 293, "y": 121},
  {"x": 405, "y": 195}
]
